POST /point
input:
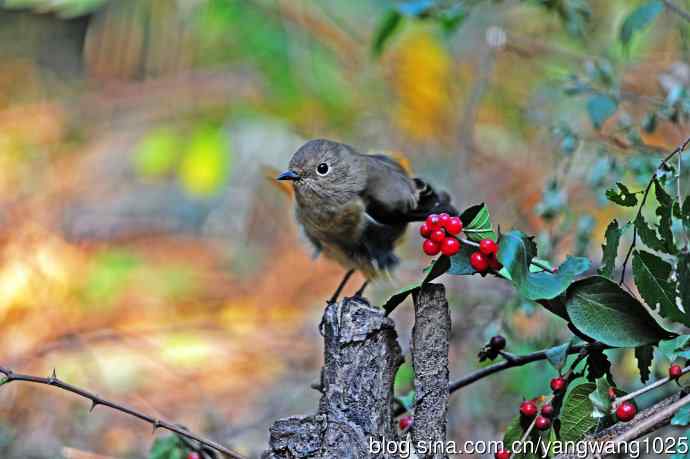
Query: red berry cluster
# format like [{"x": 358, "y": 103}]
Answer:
[
  {"x": 529, "y": 410},
  {"x": 439, "y": 232},
  {"x": 485, "y": 257}
]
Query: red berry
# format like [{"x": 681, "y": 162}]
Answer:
[
  {"x": 488, "y": 247},
  {"x": 193, "y": 455},
  {"x": 626, "y": 411},
  {"x": 431, "y": 248},
  {"x": 494, "y": 264},
  {"x": 454, "y": 225},
  {"x": 438, "y": 235},
  {"x": 542, "y": 423},
  {"x": 528, "y": 408},
  {"x": 547, "y": 410},
  {"x": 433, "y": 221},
  {"x": 479, "y": 262},
  {"x": 443, "y": 219},
  {"x": 405, "y": 422},
  {"x": 675, "y": 372},
  {"x": 502, "y": 454},
  {"x": 558, "y": 384},
  {"x": 425, "y": 231},
  {"x": 450, "y": 246}
]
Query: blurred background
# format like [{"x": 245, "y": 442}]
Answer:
[{"x": 146, "y": 255}]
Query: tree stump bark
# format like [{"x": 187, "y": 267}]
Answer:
[
  {"x": 362, "y": 356},
  {"x": 430, "y": 337}
]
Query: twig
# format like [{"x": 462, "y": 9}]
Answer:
[
  {"x": 644, "y": 389},
  {"x": 525, "y": 435},
  {"x": 647, "y": 189},
  {"x": 676, "y": 9},
  {"x": 652, "y": 422},
  {"x": 53, "y": 380}
]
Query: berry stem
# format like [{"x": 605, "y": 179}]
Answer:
[
  {"x": 525, "y": 435},
  {"x": 536, "y": 263},
  {"x": 644, "y": 389}
]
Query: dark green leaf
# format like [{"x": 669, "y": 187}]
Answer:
[
  {"x": 602, "y": 310},
  {"x": 664, "y": 212},
  {"x": 557, "y": 355},
  {"x": 653, "y": 280},
  {"x": 685, "y": 214},
  {"x": 644, "y": 356},
  {"x": 460, "y": 262},
  {"x": 598, "y": 365},
  {"x": 683, "y": 275},
  {"x": 576, "y": 414},
  {"x": 648, "y": 235},
  {"x": 387, "y": 27},
  {"x": 516, "y": 251},
  {"x": 610, "y": 249},
  {"x": 477, "y": 223},
  {"x": 682, "y": 416},
  {"x": 600, "y": 108},
  {"x": 640, "y": 18},
  {"x": 622, "y": 196},
  {"x": 556, "y": 306}
]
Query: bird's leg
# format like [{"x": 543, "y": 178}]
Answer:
[
  {"x": 360, "y": 292},
  {"x": 342, "y": 285}
]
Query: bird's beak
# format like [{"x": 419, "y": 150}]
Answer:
[{"x": 288, "y": 175}]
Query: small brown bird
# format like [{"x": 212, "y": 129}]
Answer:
[{"x": 354, "y": 208}]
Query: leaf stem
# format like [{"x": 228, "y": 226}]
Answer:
[{"x": 638, "y": 214}]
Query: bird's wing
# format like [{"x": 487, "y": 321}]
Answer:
[{"x": 390, "y": 194}]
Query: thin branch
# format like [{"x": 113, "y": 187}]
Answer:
[
  {"x": 647, "y": 189},
  {"x": 676, "y": 9},
  {"x": 653, "y": 422},
  {"x": 644, "y": 389},
  {"x": 95, "y": 400}
]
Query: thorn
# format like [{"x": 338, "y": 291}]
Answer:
[
  {"x": 94, "y": 404},
  {"x": 53, "y": 377},
  {"x": 156, "y": 425}
]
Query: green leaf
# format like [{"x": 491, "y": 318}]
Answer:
[
  {"x": 476, "y": 223},
  {"x": 437, "y": 268},
  {"x": 600, "y": 108},
  {"x": 460, "y": 262},
  {"x": 682, "y": 416},
  {"x": 612, "y": 239},
  {"x": 557, "y": 355},
  {"x": 622, "y": 196},
  {"x": 665, "y": 211},
  {"x": 648, "y": 235},
  {"x": 676, "y": 348},
  {"x": 516, "y": 251},
  {"x": 602, "y": 310},
  {"x": 639, "y": 19},
  {"x": 653, "y": 280},
  {"x": 601, "y": 402},
  {"x": 576, "y": 414},
  {"x": 683, "y": 276},
  {"x": 644, "y": 356},
  {"x": 404, "y": 378},
  {"x": 165, "y": 447},
  {"x": 387, "y": 27}
]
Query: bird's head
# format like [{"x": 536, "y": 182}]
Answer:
[{"x": 326, "y": 168}]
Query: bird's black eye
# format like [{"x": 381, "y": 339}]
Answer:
[{"x": 322, "y": 169}]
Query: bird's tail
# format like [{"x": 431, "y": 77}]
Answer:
[{"x": 431, "y": 202}]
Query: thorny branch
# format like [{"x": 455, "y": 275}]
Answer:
[{"x": 96, "y": 400}]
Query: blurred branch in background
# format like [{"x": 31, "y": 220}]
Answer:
[{"x": 11, "y": 376}]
